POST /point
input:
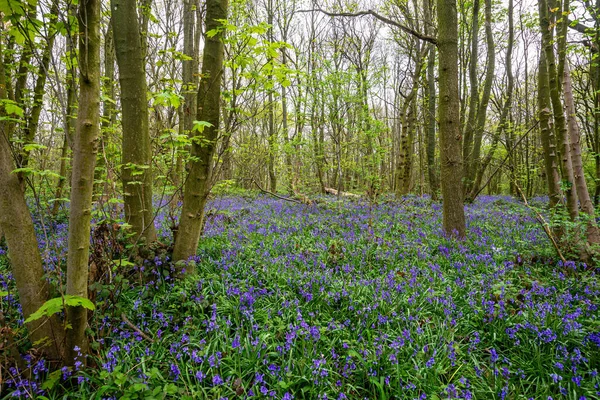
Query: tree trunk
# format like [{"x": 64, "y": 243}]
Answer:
[
  {"x": 547, "y": 135},
  {"x": 137, "y": 152},
  {"x": 271, "y": 108},
  {"x": 85, "y": 148},
  {"x": 31, "y": 128},
  {"x": 450, "y": 137},
  {"x": 475, "y": 167},
  {"x": 403, "y": 170},
  {"x": 69, "y": 120},
  {"x": 593, "y": 234},
  {"x": 470, "y": 127},
  {"x": 17, "y": 226},
  {"x": 108, "y": 116},
  {"x": 431, "y": 123},
  {"x": 197, "y": 186},
  {"x": 557, "y": 107}
]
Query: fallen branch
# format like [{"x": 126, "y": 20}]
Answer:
[
  {"x": 543, "y": 222},
  {"x": 135, "y": 328},
  {"x": 276, "y": 195},
  {"x": 334, "y": 192}
]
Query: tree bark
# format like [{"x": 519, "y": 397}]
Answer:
[
  {"x": 403, "y": 171},
  {"x": 557, "y": 107},
  {"x": 593, "y": 234},
  {"x": 33, "y": 121},
  {"x": 547, "y": 135},
  {"x": 480, "y": 166},
  {"x": 85, "y": 148},
  {"x": 431, "y": 123},
  {"x": 137, "y": 152},
  {"x": 450, "y": 137},
  {"x": 476, "y": 168},
  {"x": 197, "y": 186},
  {"x": 69, "y": 125},
  {"x": 108, "y": 120},
  {"x": 470, "y": 127},
  {"x": 17, "y": 226}
]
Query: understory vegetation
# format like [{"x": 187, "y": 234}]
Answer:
[{"x": 335, "y": 300}]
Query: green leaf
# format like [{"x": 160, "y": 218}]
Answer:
[
  {"x": 167, "y": 98},
  {"x": 33, "y": 146},
  {"x": 123, "y": 262},
  {"x": 12, "y": 8},
  {"x": 52, "y": 380},
  {"x": 25, "y": 171},
  {"x": 11, "y": 107},
  {"x": 56, "y": 305},
  {"x": 200, "y": 125},
  {"x": 78, "y": 301}
]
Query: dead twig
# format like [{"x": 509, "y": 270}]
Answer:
[
  {"x": 135, "y": 328},
  {"x": 275, "y": 194},
  {"x": 380, "y": 17}
]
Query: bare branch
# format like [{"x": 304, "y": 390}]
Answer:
[
  {"x": 135, "y": 328},
  {"x": 380, "y": 17}
]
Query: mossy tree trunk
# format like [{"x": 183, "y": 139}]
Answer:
[
  {"x": 449, "y": 119},
  {"x": 475, "y": 167},
  {"x": 198, "y": 183},
  {"x": 17, "y": 226},
  {"x": 557, "y": 106},
  {"x": 85, "y": 148},
  {"x": 592, "y": 233},
  {"x": 547, "y": 134},
  {"x": 137, "y": 153}
]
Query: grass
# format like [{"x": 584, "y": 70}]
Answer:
[{"x": 342, "y": 300}]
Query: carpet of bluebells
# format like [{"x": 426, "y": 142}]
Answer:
[{"x": 339, "y": 300}]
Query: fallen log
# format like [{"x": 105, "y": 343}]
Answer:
[{"x": 334, "y": 192}]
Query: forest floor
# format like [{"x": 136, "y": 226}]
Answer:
[{"x": 339, "y": 300}]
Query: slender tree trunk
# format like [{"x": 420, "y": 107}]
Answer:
[
  {"x": 470, "y": 127},
  {"x": 430, "y": 121},
  {"x": 476, "y": 168},
  {"x": 431, "y": 124},
  {"x": 85, "y": 148},
  {"x": 557, "y": 107},
  {"x": 593, "y": 234},
  {"x": 450, "y": 137},
  {"x": 403, "y": 170},
  {"x": 17, "y": 227},
  {"x": 190, "y": 82},
  {"x": 137, "y": 165},
  {"x": 105, "y": 184},
  {"x": 197, "y": 186},
  {"x": 547, "y": 135},
  {"x": 271, "y": 109},
  {"x": 38, "y": 93},
  {"x": 69, "y": 124}
]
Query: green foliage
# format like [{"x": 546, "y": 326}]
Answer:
[{"x": 56, "y": 305}]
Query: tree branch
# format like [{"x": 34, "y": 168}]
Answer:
[
  {"x": 135, "y": 328},
  {"x": 275, "y": 194},
  {"x": 380, "y": 17}
]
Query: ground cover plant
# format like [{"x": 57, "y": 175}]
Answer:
[{"x": 341, "y": 299}]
